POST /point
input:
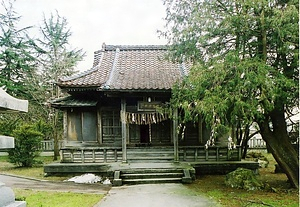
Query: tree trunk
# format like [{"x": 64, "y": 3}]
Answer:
[
  {"x": 56, "y": 136},
  {"x": 280, "y": 145}
]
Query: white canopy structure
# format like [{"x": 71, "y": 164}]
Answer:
[{"x": 11, "y": 104}]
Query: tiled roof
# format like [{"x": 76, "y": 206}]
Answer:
[{"x": 119, "y": 67}]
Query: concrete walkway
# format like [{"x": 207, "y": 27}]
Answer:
[
  {"x": 149, "y": 195},
  {"x": 154, "y": 195},
  {"x": 34, "y": 184}
]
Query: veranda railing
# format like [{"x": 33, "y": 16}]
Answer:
[
  {"x": 114, "y": 154},
  {"x": 257, "y": 143}
]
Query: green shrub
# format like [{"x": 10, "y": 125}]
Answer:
[
  {"x": 244, "y": 179},
  {"x": 44, "y": 128},
  {"x": 27, "y": 140},
  {"x": 7, "y": 126}
]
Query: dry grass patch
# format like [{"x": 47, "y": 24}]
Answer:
[{"x": 37, "y": 171}]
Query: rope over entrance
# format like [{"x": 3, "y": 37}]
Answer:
[{"x": 145, "y": 118}]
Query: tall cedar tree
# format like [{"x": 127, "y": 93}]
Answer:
[
  {"x": 16, "y": 59},
  {"x": 18, "y": 65},
  {"x": 58, "y": 59},
  {"x": 245, "y": 56}
]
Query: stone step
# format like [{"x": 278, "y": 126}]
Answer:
[
  {"x": 151, "y": 170},
  {"x": 157, "y": 173},
  {"x": 151, "y": 181},
  {"x": 151, "y": 175}
]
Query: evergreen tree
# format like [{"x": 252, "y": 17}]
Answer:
[
  {"x": 245, "y": 56},
  {"x": 57, "y": 60},
  {"x": 17, "y": 62}
]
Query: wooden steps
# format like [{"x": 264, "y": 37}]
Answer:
[{"x": 150, "y": 154}]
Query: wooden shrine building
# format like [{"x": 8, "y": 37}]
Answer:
[{"x": 113, "y": 111}]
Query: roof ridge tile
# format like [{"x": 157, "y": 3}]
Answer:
[{"x": 135, "y": 47}]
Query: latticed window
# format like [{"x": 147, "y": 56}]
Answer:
[{"x": 111, "y": 127}]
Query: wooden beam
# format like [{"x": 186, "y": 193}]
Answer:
[
  {"x": 124, "y": 130},
  {"x": 175, "y": 135}
]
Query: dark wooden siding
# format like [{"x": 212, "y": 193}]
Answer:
[
  {"x": 89, "y": 126},
  {"x": 161, "y": 132},
  {"x": 82, "y": 125},
  {"x": 134, "y": 133},
  {"x": 74, "y": 126},
  {"x": 190, "y": 136}
]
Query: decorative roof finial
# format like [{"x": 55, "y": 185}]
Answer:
[{"x": 103, "y": 46}]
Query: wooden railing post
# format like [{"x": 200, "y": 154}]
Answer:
[
  {"x": 228, "y": 154},
  {"x": 206, "y": 154},
  {"x": 72, "y": 155},
  {"x": 124, "y": 132},
  {"x": 93, "y": 155},
  {"x": 82, "y": 156},
  {"x": 116, "y": 155},
  {"x": 196, "y": 154},
  {"x": 104, "y": 155}
]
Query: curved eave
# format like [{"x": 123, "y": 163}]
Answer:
[
  {"x": 79, "y": 88},
  {"x": 12, "y": 104}
]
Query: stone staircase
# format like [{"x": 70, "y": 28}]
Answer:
[
  {"x": 132, "y": 176},
  {"x": 151, "y": 176},
  {"x": 150, "y": 165}
]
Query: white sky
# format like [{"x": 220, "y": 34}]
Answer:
[{"x": 92, "y": 22}]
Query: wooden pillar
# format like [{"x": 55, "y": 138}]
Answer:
[
  {"x": 124, "y": 131},
  {"x": 175, "y": 135},
  {"x": 99, "y": 126}
]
